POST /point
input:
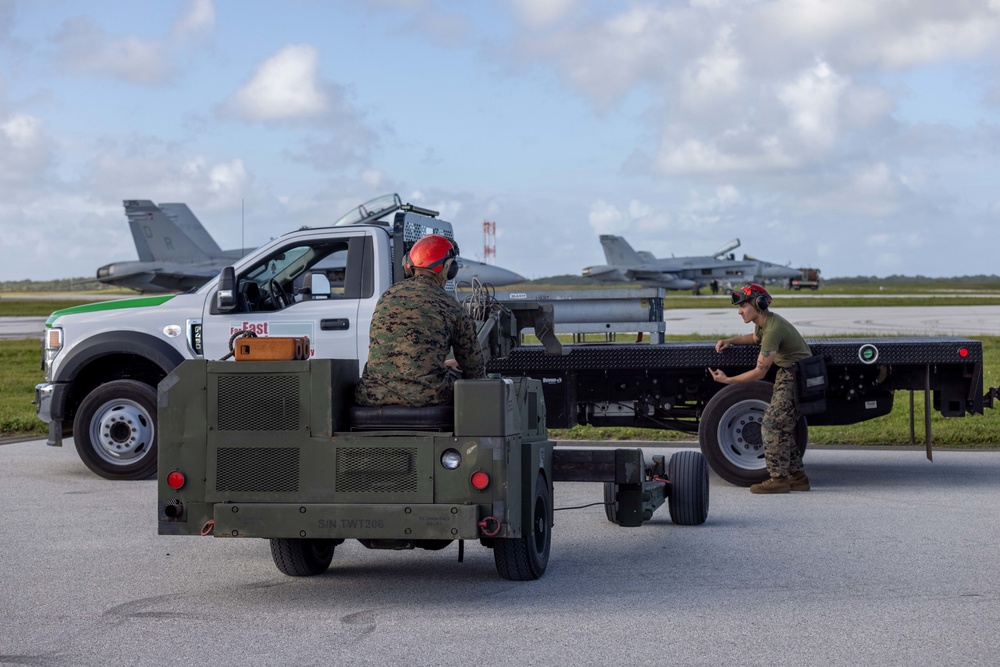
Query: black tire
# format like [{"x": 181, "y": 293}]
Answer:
[
  {"x": 302, "y": 557},
  {"x": 729, "y": 432},
  {"x": 688, "y": 501},
  {"x": 525, "y": 558},
  {"x": 611, "y": 502},
  {"x": 115, "y": 430}
]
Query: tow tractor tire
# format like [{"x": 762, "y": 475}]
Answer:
[
  {"x": 302, "y": 557},
  {"x": 525, "y": 558},
  {"x": 729, "y": 432},
  {"x": 611, "y": 502},
  {"x": 115, "y": 430},
  {"x": 688, "y": 501}
]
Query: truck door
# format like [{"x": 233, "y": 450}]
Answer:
[{"x": 277, "y": 297}]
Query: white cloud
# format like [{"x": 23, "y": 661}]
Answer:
[
  {"x": 605, "y": 218},
  {"x": 539, "y": 13},
  {"x": 812, "y": 101},
  {"x": 715, "y": 76},
  {"x": 198, "y": 19},
  {"x": 27, "y": 152},
  {"x": 285, "y": 86},
  {"x": 84, "y": 48}
]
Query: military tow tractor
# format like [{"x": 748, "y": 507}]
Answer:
[{"x": 275, "y": 450}]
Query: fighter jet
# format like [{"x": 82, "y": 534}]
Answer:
[
  {"x": 377, "y": 209},
  {"x": 769, "y": 271},
  {"x": 176, "y": 253},
  {"x": 674, "y": 273}
]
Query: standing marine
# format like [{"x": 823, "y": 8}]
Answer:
[
  {"x": 781, "y": 345},
  {"x": 416, "y": 324}
]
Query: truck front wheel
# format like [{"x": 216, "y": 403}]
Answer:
[
  {"x": 525, "y": 558},
  {"x": 729, "y": 432},
  {"x": 115, "y": 430}
]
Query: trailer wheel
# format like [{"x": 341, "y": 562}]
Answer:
[
  {"x": 611, "y": 502},
  {"x": 688, "y": 501},
  {"x": 729, "y": 432},
  {"x": 302, "y": 557},
  {"x": 115, "y": 430},
  {"x": 525, "y": 558}
]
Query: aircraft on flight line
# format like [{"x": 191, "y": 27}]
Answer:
[
  {"x": 177, "y": 254},
  {"x": 681, "y": 273}
]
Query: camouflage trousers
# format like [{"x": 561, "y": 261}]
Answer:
[{"x": 777, "y": 429}]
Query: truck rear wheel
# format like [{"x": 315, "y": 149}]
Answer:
[
  {"x": 729, "y": 432},
  {"x": 302, "y": 557},
  {"x": 115, "y": 430},
  {"x": 688, "y": 501},
  {"x": 525, "y": 558}
]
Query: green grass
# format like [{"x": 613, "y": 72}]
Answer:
[{"x": 20, "y": 360}]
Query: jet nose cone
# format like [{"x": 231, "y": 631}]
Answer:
[{"x": 486, "y": 273}]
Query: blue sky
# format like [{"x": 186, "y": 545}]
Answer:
[{"x": 859, "y": 136}]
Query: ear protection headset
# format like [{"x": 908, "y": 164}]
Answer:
[
  {"x": 432, "y": 252},
  {"x": 755, "y": 294}
]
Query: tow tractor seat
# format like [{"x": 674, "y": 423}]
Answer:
[{"x": 404, "y": 418}]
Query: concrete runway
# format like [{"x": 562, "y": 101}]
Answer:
[
  {"x": 890, "y": 560},
  {"x": 862, "y": 321}
]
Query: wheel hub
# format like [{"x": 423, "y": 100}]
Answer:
[
  {"x": 124, "y": 433},
  {"x": 739, "y": 434}
]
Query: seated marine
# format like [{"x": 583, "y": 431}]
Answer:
[{"x": 415, "y": 325}]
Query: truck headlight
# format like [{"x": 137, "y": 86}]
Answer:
[
  {"x": 451, "y": 459},
  {"x": 52, "y": 342}
]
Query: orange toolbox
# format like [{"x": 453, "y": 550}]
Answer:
[{"x": 272, "y": 349}]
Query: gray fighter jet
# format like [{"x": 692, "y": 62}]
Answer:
[
  {"x": 674, "y": 273},
  {"x": 176, "y": 253}
]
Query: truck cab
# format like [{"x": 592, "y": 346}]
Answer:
[{"x": 103, "y": 361}]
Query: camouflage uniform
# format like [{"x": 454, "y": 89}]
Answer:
[
  {"x": 415, "y": 324},
  {"x": 777, "y": 429}
]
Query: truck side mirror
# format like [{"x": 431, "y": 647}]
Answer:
[
  {"x": 316, "y": 286},
  {"x": 225, "y": 297}
]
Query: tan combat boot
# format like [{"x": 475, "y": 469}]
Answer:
[
  {"x": 773, "y": 485},
  {"x": 798, "y": 481}
]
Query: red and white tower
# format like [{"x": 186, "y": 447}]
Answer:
[{"x": 489, "y": 242}]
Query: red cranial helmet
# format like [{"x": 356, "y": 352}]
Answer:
[
  {"x": 754, "y": 293},
  {"x": 432, "y": 253}
]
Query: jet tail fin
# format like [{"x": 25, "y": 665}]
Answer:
[
  {"x": 190, "y": 225},
  {"x": 618, "y": 252},
  {"x": 158, "y": 238}
]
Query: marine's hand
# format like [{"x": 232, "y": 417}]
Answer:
[
  {"x": 721, "y": 345},
  {"x": 452, "y": 363},
  {"x": 719, "y": 376}
]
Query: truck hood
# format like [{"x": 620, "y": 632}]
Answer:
[{"x": 121, "y": 304}]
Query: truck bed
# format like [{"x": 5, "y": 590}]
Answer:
[{"x": 666, "y": 385}]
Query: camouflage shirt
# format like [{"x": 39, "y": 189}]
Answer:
[{"x": 415, "y": 324}]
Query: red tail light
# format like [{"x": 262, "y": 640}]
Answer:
[
  {"x": 480, "y": 480},
  {"x": 963, "y": 352},
  {"x": 175, "y": 480}
]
